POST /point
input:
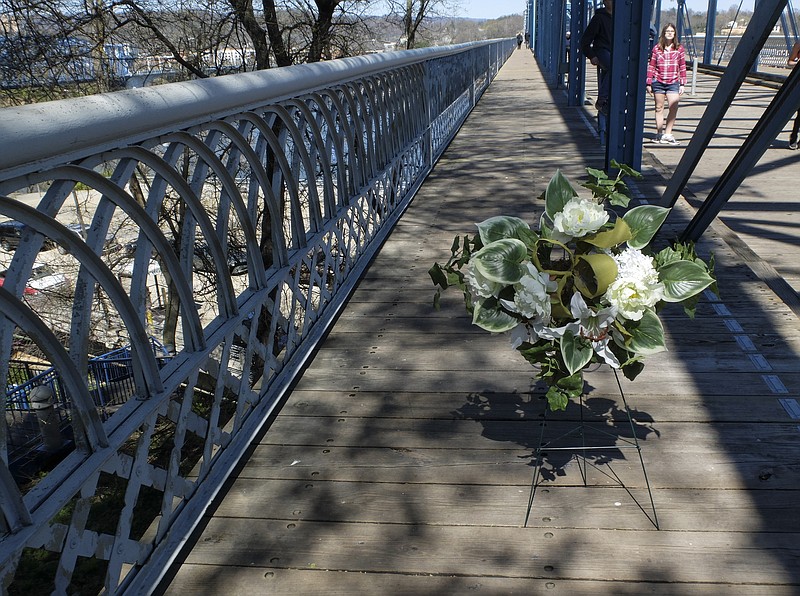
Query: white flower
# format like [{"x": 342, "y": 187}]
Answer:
[
  {"x": 580, "y": 217},
  {"x": 531, "y": 298},
  {"x": 591, "y": 325},
  {"x": 479, "y": 286},
  {"x": 634, "y": 264},
  {"x": 636, "y": 287},
  {"x": 525, "y": 332}
]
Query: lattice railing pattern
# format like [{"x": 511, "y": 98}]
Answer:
[{"x": 230, "y": 218}]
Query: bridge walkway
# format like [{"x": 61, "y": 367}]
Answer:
[{"x": 401, "y": 462}]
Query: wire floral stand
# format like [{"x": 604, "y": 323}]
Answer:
[{"x": 579, "y": 450}]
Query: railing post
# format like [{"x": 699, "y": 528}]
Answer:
[{"x": 41, "y": 399}]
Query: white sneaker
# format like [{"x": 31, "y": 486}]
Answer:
[{"x": 668, "y": 140}]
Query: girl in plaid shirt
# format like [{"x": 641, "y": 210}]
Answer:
[{"x": 666, "y": 79}]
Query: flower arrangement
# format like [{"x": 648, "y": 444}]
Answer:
[{"x": 586, "y": 288}]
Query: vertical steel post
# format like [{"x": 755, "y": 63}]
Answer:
[
  {"x": 628, "y": 70},
  {"x": 711, "y": 27},
  {"x": 576, "y": 85}
]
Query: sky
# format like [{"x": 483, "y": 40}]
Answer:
[{"x": 491, "y": 9}]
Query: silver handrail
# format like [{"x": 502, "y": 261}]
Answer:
[{"x": 292, "y": 177}]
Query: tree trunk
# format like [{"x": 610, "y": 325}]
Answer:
[
  {"x": 282, "y": 56},
  {"x": 244, "y": 12}
]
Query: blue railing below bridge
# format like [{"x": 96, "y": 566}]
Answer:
[
  {"x": 296, "y": 176},
  {"x": 110, "y": 382}
]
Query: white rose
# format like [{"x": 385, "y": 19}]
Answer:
[
  {"x": 531, "y": 298},
  {"x": 580, "y": 217},
  {"x": 479, "y": 286},
  {"x": 632, "y": 296}
]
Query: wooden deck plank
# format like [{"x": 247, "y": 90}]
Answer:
[
  {"x": 607, "y": 508},
  {"x": 198, "y": 578},
  {"x": 401, "y": 461},
  {"x": 532, "y": 553}
]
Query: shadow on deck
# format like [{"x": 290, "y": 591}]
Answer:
[{"x": 401, "y": 462}]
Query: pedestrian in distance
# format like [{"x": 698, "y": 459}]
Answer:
[
  {"x": 666, "y": 81},
  {"x": 519, "y": 40},
  {"x": 794, "y": 58},
  {"x": 596, "y": 43}
]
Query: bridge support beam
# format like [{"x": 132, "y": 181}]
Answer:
[
  {"x": 628, "y": 70},
  {"x": 764, "y": 19}
]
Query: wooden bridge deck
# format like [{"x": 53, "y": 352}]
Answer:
[{"x": 401, "y": 463}]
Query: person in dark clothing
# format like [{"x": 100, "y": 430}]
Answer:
[
  {"x": 793, "y": 61},
  {"x": 596, "y": 43},
  {"x": 519, "y": 40}
]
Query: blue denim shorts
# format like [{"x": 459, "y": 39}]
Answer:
[{"x": 664, "y": 88}]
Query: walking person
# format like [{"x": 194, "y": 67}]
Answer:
[
  {"x": 794, "y": 58},
  {"x": 666, "y": 80},
  {"x": 519, "y": 40},
  {"x": 596, "y": 43}
]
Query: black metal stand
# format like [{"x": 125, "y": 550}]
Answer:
[{"x": 580, "y": 431}]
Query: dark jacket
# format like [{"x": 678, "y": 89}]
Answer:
[{"x": 599, "y": 34}]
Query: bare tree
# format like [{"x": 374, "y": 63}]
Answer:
[{"x": 413, "y": 14}]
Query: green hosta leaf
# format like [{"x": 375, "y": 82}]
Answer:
[
  {"x": 646, "y": 335},
  {"x": 621, "y": 232},
  {"x": 593, "y": 273},
  {"x": 500, "y": 227},
  {"x": 644, "y": 222},
  {"x": 559, "y": 192},
  {"x": 488, "y": 315},
  {"x": 684, "y": 279},
  {"x": 576, "y": 351},
  {"x": 501, "y": 260},
  {"x": 529, "y": 237}
]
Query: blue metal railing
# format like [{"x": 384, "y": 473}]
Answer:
[{"x": 110, "y": 384}]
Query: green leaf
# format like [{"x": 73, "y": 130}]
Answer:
[
  {"x": 536, "y": 354},
  {"x": 644, "y": 221},
  {"x": 596, "y": 175},
  {"x": 646, "y": 335},
  {"x": 500, "y": 227},
  {"x": 625, "y": 169},
  {"x": 572, "y": 384},
  {"x": 621, "y": 232},
  {"x": 576, "y": 351},
  {"x": 438, "y": 276},
  {"x": 559, "y": 192},
  {"x": 619, "y": 199},
  {"x": 488, "y": 315},
  {"x": 501, "y": 260},
  {"x": 557, "y": 399},
  {"x": 593, "y": 273},
  {"x": 684, "y": 279},
  {"x": 564, "y": 389}
]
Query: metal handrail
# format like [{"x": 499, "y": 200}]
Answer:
[{"x": 297, "y": 175}]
